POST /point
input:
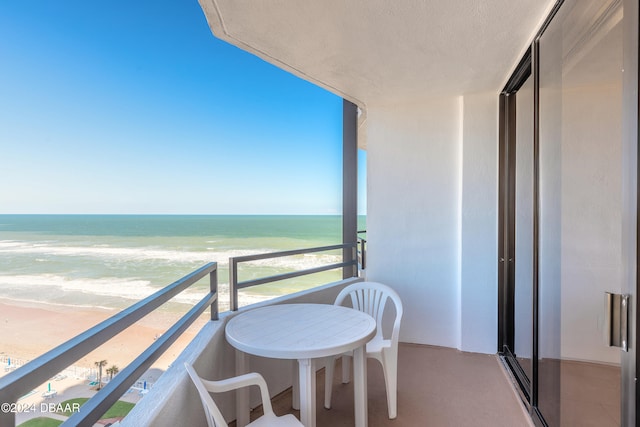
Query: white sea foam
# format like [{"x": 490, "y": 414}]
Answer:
[
  {"x": 57, "y": 304},
  {"x": 116, "y": 270},
  {"x": 130, "y": 289},
  {"x": 150, "y": 253},
  {"x": 10, "y": 244},
  {"x": 120, "y": 253},
  {"x": 99, "y": 291},
  {"x": 122, "y": 288},
  {"x": 298, "y": 262}
]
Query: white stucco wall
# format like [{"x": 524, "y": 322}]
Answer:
[
  {"x": 431, "y": 226},
  {"x": 412, "y": 214},
  {"x": 479, "y": 224}
]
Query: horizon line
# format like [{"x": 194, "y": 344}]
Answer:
[{"x": 182, "y": 214}]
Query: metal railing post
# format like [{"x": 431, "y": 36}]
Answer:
[
  {"x": 354, "y": 257},
  {"x": 233, "y": 284},
  {"x": 213, "y": 289},
  {"x": 363, "y": 254}
]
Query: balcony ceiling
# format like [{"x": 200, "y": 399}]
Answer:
[{"x": 381, "y": 51}]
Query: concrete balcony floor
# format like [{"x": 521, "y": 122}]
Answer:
[{"x": 436, "y": 387}]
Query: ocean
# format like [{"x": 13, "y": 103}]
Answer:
[{"x": 113, "y": 261}]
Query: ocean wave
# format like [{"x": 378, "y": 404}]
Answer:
[
  {"x": 138, "y": 254},
  {"x": 10, "y": 244},
  {"x": 120, "y": 253},
  {"x": 56, "y": 304},
  {"x": 298, "y": 262},
  {"x": 128, "y": 288},
  {"x": 131, "y": 289},
  {"x": 122, "y": 288}
]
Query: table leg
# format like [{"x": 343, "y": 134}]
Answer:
[
  {"x": 307, "y": 392},
  {"x": 360, "y": 387},
  {"x": 295, "y": 385},
  {"x": 242, "y": 394}
]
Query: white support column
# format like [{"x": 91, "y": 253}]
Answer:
[{"x": 349, "y": 183}]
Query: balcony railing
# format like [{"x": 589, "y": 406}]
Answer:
[
  {"x": 38, "y": 371},
  {"x": 24, "y": 379}
]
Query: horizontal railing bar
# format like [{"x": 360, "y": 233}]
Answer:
[
  {"x": 284, "y": 276},
  {"x": 280, "y": 254},
  {"x": 95, "y": 407},
  {"x": 234, "y": 285},
  {"x": 36, "y": 372}
]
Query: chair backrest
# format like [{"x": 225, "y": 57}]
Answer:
[
  {"x": 372, "y": 297},
  {"x": 214, "y": 416}
]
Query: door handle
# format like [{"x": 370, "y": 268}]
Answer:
[{"x": 617, "y": 320}]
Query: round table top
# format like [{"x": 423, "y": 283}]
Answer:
[{"x": 300, "y": 331}]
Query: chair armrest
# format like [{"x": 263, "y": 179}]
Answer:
[{"x": 246, "y": 380}]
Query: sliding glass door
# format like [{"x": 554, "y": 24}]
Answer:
[
  {"x": 580, "y": 75},
  {"x": 564, "y": 217}
]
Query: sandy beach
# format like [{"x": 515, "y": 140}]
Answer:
[{"x": 28, "y": 330}]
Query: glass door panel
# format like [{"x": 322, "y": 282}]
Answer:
[{"x": 580, "y": 241}]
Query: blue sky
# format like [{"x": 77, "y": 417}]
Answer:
[{"x": 135, "y": 107}]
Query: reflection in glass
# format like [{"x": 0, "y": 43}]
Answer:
[{"x": 580, "y": 211}]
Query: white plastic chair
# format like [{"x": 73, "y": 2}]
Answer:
[
  {"x": 372, "y": 298},
  {"x": 214, "y": 416}
]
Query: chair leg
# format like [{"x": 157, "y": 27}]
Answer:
[
  {"x": 390, "y": 369},
  {"x": 346, "y": 369},
  {"x": 328, "y": 380}
]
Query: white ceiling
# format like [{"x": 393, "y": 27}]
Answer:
[{"x": 383, "y": 51}]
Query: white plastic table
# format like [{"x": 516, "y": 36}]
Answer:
[{"x": 304, "y": 332}]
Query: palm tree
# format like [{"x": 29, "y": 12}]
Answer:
[
  {"x": 112, "y": 371},
  {"x": 99, "y": 365}
]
